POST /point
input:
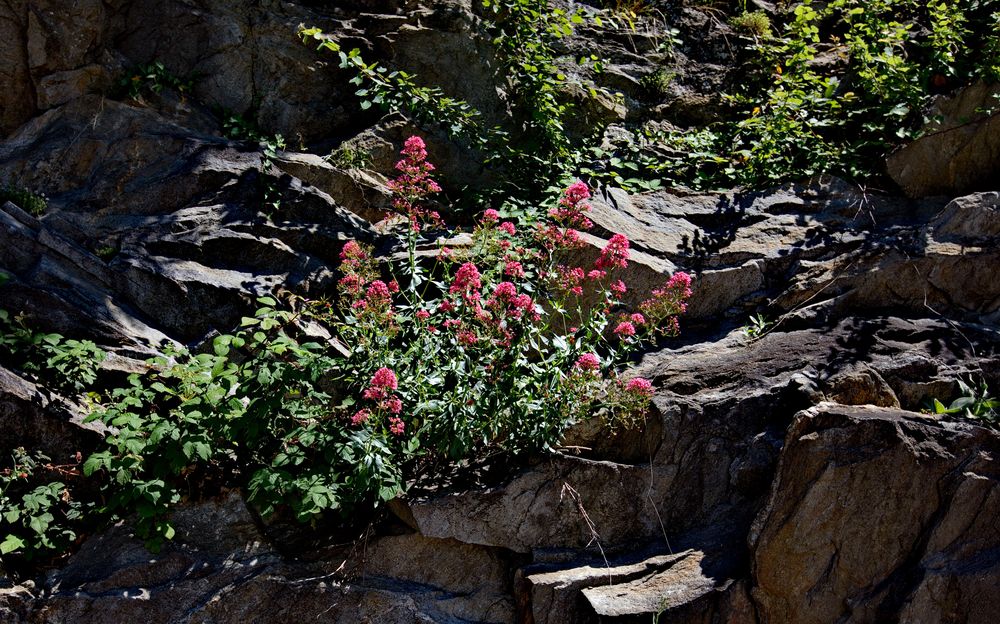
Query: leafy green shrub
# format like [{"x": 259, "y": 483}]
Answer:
[
  {"x": 797, "y": 113},
  {"x": 237, "y": 127},
  {"x": 64, "y": 364},
  {"x": 492, "y": 349},
  {"x": 757, "y": 326},
  {"x": 35, "y": 516},
  {"x": 106, "y": 252},
  {"x": 23, "y": 198},
  {"x": 271, "y": 195},
  {"x": 349, "y": 157},
  {"x": 755, "y": 23}
]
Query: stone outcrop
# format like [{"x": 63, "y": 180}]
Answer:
[
  {"x": 958, "y": 152},
  {"x": 877, "y": 514},
  {"x": 183, "y": 217}
]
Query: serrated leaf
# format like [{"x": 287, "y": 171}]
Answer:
[{"x": 10, "y": 544}]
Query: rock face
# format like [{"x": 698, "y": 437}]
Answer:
[
  {"x": 958, "y": 153},
  {"x": 788, "y": 478},
  {"x": 222, "y": 569},
  {"x": 877, "y": 514},
  {"x": 182, "y": 219}
]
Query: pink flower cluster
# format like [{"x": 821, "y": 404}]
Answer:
[
  {"x": 554, "y": 237},
  {"x": 572, "y": 206},
  {"x": 467, "y": 280},
  {"x": 383, "y": 383},
  {"x": 508, "y": 304},
  {"x": 568, "y": 217},
  {"x": 587, "y": 362},
  {"x": 369, "y": 299},
  {"x": 396, "y": 426},
  {"x": 640, "y": 386},
  {"x": 381, "y": 389},
  {"x": 414, "y": 184},
  {"x": 615, "y": 254},
  {"x": 352, "y": 255},
  {"x": 571, "y": 279},
  {"x": 625, "y": 329},
  {"x": 666, "y": 303},
  {"x": 513, "y": 269}
]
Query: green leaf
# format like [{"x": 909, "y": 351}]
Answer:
[
  {"x": 10, "y": 544},
  {"x": 95, "y": 462}
]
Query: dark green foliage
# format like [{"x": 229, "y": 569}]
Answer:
[
  {"x": 150, "y": 79},
  {"x": 60, "y": 363},
  {"x": 37, "y": 516},
  {"x": 974, "y": 401},
  {"x": 23, "y": 198},
  {"x": 755, "y": 23},
  {"x": 796, "y": 117},
  {"x": 657, "y": 82}
]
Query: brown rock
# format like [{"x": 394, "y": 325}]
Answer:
[
  {"x": 957, "y": 155},
  {"x": 879, "y": 514},
  {"x": 220, "y": 568},
  {"x": 862, "y": 387},
  {"x": 61, "y": 87},
  {"x": 38, "y": 420}
]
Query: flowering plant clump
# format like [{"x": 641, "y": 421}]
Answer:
[
  {"x": 493, "y": 347},
  {"x": 501, "y": 345},
  {"x": 413, "y": 184}
]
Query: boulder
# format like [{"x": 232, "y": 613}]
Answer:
[
  {"x": 36, "y": 419},
  {"x": 877, "y": 514},
  {"x": 17, "y": 99},
  {"x": 956, "y": 154},
  {"x": 821, "y": 248}
]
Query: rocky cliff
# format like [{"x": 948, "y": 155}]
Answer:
[{"x": 787, "y": 478}]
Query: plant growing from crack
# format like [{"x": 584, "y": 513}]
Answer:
[
  {"x": 492, "y": 349},
  {"x": 974, "y": 402}
]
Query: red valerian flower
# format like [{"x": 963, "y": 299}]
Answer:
[
  {"x": 513, "y": 269},
  {"x": 414, "y": 184},
  {"x": 396, "y": 426},
  {"x": 466, "y": 279},
  {"x": 383, "y": 382},
  {"x": 625, "y": 329},
  {"x": 588, "y": 362},
  {"x": 615, "y": 254},
  {"x": 360, "y": 416},
  {"x": 640, "y": 386}
]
